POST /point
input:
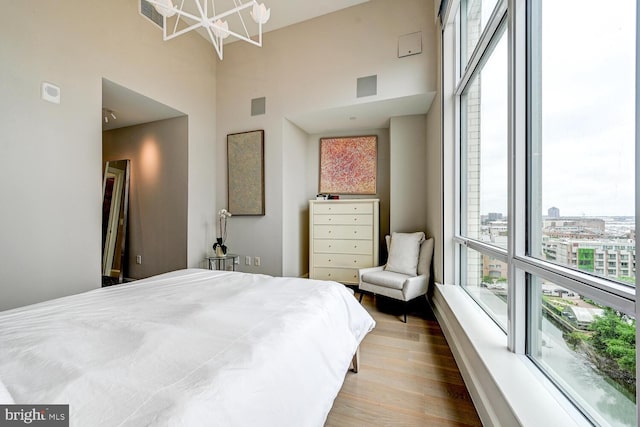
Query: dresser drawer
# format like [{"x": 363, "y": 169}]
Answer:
[
  {"x": 344, "y": 275},
  {"x": 343, "y": 208},
  {"x": 364, "y": 247},
  {"x": 364, "y": 232},
  {"x": 342, "y": 260},
  {"x": 343, "y": 219},
  {"x": 343, "y": 237}
]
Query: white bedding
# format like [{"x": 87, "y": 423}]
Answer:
[{"x": 191, "y": 348}]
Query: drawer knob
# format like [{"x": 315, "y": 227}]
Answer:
[
  {"x": 355, "y": 219},
  {"x": 329, "y": 259},
  {"x": 329, "y": 245},
  {"x": 354, "y": 246},
  {"x": 329, "y": 219},
  {"x": 355, "y": 260},
  {"x": 328, "y": 274},
  {"x": 355, "y": 232},
  {"x": 329, "y": 231}
]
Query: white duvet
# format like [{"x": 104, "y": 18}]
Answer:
[{"x": 188, "y": 348}]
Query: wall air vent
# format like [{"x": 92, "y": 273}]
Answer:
[
  {"x": 367, "y": 86},
  {"x": 258, "y": 106},
  {"x": 148, "y": 11}
]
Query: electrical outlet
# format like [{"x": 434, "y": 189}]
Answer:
[
  {"x": 257, "y": 261},
  {"x": 138, "y": 259},
  {"x": 247, "y": 260}
]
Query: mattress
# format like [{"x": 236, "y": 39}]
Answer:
[{"x": 191, "y": 347}]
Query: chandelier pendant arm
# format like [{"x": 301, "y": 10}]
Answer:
[
  {"x": 183, "y": 31},
  {"x": 164, "y": 29},
  {"x": 241, "y": 37},
  {"x": 177, "y": 11},
  {"x": 217, "y": 32},
  {"x": 213, "y": 19},
  {"x": 240, "y": 16},
  {"x": 217, "y": 42},
  {"x": 188, "y": 15},
  {"x": 175, "y": 26},
  {"x": 203, "y": 14},
  {"x": 229, "y": 12}
]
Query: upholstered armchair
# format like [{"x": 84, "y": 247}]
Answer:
[{"x": 406, "y": 274}]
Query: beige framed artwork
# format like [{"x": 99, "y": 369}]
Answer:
[
  {"x": 348, "y": 165},
  {"x": 245, "y": 173}
]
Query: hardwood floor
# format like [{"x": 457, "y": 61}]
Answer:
[{"x": 407, "y": 377}]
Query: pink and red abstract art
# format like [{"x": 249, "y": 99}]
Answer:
[{"x": 348, "y": 165}]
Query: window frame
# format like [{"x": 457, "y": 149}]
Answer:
[
  {"x": 518, "y": 15},
  {"x": 495, "y": 28}
]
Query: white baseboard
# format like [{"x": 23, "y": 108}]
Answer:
[{"x": 504, "y": 388}]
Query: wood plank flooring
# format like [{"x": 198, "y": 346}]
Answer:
[{"x": 407, "y": 377}]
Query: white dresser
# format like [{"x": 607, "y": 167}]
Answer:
[{"x": 343, "y": 237}]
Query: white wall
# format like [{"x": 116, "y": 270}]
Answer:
[
  {"x": 447, "y": 64},
  {"x": 310, "y": 67},
  {"x": 295, "y": 241},
  {"x": 435, "y": 190},
  {"x": 408, "y": 158},
  {"x": 51, "y": 154}
]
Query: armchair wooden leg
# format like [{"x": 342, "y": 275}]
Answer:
[
  {"x": 361, "y": 295},
  {"x": 406, "y": 307}
]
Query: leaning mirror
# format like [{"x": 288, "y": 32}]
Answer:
[{"x": 115, "y": 206}]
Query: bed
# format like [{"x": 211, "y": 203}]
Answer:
[{"x": 191, "y": 347}]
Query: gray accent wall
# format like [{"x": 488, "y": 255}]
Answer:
[{"x": 157, "y": 220}]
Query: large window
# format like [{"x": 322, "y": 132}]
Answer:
[
  {"x": 484, "y": 220},
  {"x": 484, "y": 150},
  {"x": 587, "y": 348},
  {"x": 582, "y": 201},
  {"x": 485, "y": 278},
  {"x": 545, "y": 132},
  {"x": 475, "y": 16},
  {"x": 582, "y": 145}
]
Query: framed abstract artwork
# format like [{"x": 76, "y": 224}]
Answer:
[
  {"x": 348, "y": 165},
  {"x": 245, "y": 173}
]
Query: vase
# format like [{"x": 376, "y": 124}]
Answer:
[{"x": 219, "y": 247}]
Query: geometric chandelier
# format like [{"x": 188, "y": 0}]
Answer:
[{"x": 199, "y": 15}]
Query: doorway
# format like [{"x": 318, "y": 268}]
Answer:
[{"x": 154, "y": 138}]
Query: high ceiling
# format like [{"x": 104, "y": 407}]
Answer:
[
  {"x": 289, "y": 12},
  {"x": 132, "y": 108}
]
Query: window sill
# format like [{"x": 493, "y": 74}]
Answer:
[{"x": 505, "y": 387}]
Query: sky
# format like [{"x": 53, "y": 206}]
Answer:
[{"x": 588, "y": 113}]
